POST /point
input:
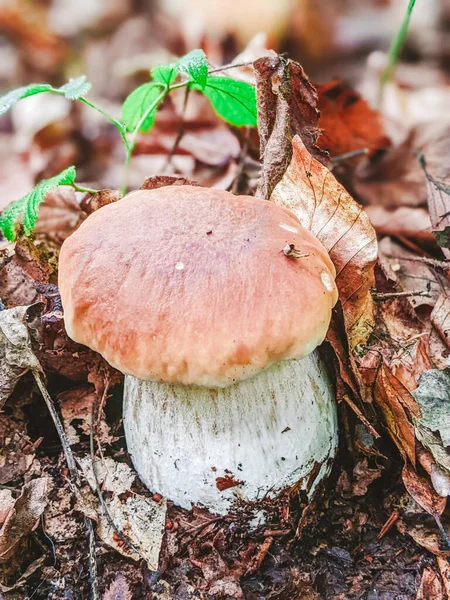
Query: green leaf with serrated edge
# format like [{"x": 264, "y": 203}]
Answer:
[
  {"x": 195, "y": 65},
  {"x": 8, "y": 100},
  {"x": 75, "y": 88},
  {"x": 27, "y": 208},
  {"x": 165, "y": 73},
  {"x": 137, "y": 103},
  {"x": 234, "y": 101}
]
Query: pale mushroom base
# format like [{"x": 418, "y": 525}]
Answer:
[{"x": 217, "y": 447}]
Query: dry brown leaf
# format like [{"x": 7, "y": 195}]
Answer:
[
  {"x": 324, "y": 207},
  {"x": 16, "y": 354},
  {"x": 77, "y": 406},
  {"x": 422, "y": 491},
  {"x": 59, "y": 215},
  {"x": 6, "y": 504},
  {"x": 24, "y": 516},
  {"x": 444, "y": 568},
  {"x": 347, "y": 122},
  {"x": 287, "y": 106},
  {"x": 403, "y": 222},
  {"x": 17, "y": 455},
  {"x": 430, "y": 586},
  {"x": 440, "y": 317},
  {"x": 362, "y": 477},
  {"x": 395, "y": 403}
]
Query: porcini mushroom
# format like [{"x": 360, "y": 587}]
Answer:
[{"x": 212, "y": 305}]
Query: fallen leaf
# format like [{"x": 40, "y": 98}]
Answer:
[
  {"x": 76, "y": 410},
  {"x": 16, "y": 354},
  {"x": 395, "y": 402},
  {"x": 112, "y": 476},
  {"x": 433, "y": 397},
  {"x": 6, "y": 504},
  {"x": 17, "y": 454},
  {"x": 24, "y": 516},
  {"x": 430, "y": 586},
  {"x": 118, "y": 590},
  {"x": 324, "y": 207},
  {"x": 403, "y": 222},
  {"x": 59, "y": 215},
  {"x": 422, "y": 491},
  {"x": 444, "y": 568},
  {"x": 440, "y": 317},
  {"x": 140, "y": 520},
  {"x": 362, "y": 477},
  {"x": 287, "y": 106},
  {"x": 347, "y": 123}
]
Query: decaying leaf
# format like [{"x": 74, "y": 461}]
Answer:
[
  {"x": 140, "y": 520},
  {"x": 347, "y": 123},
  {"x": 430, "y": 586},
  {"x": 24, "y": 516},
  {"x": 16, "y": 354},
  {"x": 422, "y": 491},
  {"x": 17, "y": 451},
  {"x": 433, "y": 398},
  {"x": 440, "y": 317},
  {"x": 77, "y": 406},
  {"x": 358, "y": 484},
  {"x": 287, "y": 106},
  {"x": 324, "y": 207}
]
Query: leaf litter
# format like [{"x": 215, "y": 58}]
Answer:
[{"x": 388, "y": 351}]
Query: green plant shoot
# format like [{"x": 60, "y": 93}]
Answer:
[{"x": 232, "y": 100}]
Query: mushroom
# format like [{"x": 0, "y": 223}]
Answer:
[{"x": 212, "y": 305}]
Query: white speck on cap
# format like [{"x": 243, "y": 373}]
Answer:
[
  {"x": 288, "y": 228},
  {"x": 179, "y": 266},
  {"x": 327, "y": 281}
]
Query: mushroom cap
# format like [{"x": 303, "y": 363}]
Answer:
[{"x": 191, "y": 285}]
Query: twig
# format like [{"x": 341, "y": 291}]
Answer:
[
  {"x": 74, "y": 481},
  {"x": 444, "y": 534},
  {"x": 434, "y": 262},
  {"x": 347, "y": 155},
  {"x": 242, "y": 156},
  {"x": 379, "y": 297},
  {"x": 231, "y": 66}
]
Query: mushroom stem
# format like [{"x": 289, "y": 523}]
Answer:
[{"x": 254, "y": 439}]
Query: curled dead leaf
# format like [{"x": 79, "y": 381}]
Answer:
[
  {"x": 287, "y": 106},
  {"x": 324, "y": 207}
]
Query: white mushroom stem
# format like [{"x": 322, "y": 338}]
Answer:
[{"x": 265, "y": 434}]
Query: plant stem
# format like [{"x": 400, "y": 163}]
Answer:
[
  {"x": 117, "y": 124},
  {"x": 396, "y": 45},
  {"x": 132, "y": 142},
  {"x": 80, "y": 188}
]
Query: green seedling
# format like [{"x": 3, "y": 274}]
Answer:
[{"x": 234, "y": 101}]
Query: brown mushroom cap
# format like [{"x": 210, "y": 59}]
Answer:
[{"x": 191, "y": 285}]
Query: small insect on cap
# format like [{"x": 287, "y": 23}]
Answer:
[{"x": 195, "y": 285}]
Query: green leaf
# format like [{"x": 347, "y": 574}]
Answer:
[
  {"x": 8, "y": 100},
  {"x": 234, "y": 101},
  {"x": 137, "y": 103},
  {"x": 195, "y": 65},
  {"x": 27, "y": 208},
  {"x": 75, "y": 88},
  {"x": 166, "y": 74}
]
